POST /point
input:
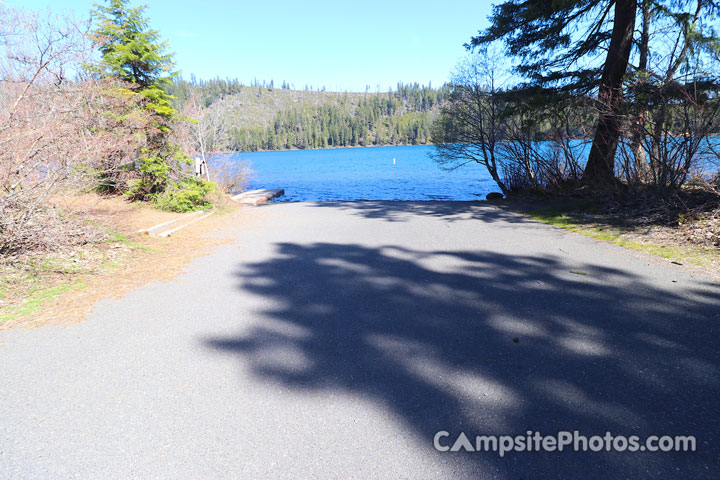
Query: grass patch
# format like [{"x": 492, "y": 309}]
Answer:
[
  {"x": 27, "y": 285},
  {"x": 123, "y": 239},
  {"x": 36, "y": 300},
  {"x": 60, "y": 265},
  {"x": 119, "y": 237},
  {"x": 578, "y": 272},
  {"x": 583, "y": 219}
]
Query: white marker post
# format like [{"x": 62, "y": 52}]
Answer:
[{"x": 201, "y": 168}]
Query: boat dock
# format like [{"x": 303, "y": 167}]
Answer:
[{"x": 256, "y": 197}]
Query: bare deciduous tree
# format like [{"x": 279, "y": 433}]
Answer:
[
  {"x": 501, "y": 129},
  {"x": 468, "y": 128},
  {"x": 206, "y": 136},
  {"x": 58, "y": 130}
]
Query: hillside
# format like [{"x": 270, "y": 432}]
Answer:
[{"x": 266, "y": 118}]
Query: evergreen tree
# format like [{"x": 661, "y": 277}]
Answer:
[
  {"x": 133, "y": 54},
  {"x": 544, "y": 35},
  {"x": 586, "y": 47}
]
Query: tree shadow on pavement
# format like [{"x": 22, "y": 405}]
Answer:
[
  {"x": 431, "y": 336},
  {"x": 450, "y": 211}
]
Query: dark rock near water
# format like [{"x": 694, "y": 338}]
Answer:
[{"x": 494, "y": 196}]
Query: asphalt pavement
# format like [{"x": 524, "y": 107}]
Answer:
[{"x": 335, "y": 340}]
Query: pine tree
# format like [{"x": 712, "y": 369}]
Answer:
[
  {"x": 544, "y": 35},
  {"x": 133, "y": 54},
  {"x": 587, "y": 47}
]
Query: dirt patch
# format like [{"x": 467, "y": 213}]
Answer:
[
  {"x": 62, "y": 287},
  {"x": 685, "y": 229},
  {"x": 115, "y": 212}
]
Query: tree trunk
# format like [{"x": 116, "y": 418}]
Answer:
[
  {"x": 600, "y": 169},
  {"x": 638, "y": 126}
]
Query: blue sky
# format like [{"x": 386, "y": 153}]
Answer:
[{"x": 341, "y": 45}]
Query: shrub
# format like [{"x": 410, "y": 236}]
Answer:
[
  {"x": 155, "y": 173},
  {"x": 231, "y": 175},
  {"x": 187, "y": 195}
]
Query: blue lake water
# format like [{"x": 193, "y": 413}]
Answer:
[{"x": 365, "y": 174}]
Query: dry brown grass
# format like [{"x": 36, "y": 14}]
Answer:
[{"x": 108, "y": 269}]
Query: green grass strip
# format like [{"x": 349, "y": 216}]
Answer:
[{"x": 36, "y": 300}]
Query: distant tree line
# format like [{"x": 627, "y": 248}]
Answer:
[
  {"x": 400, "y": 117},
  {"x": 209, "y": 91},
  {"x": 379, "y": 120}
]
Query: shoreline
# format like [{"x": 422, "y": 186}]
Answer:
[{"x": 326, "y": 148}]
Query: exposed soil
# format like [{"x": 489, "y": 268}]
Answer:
[{"x": 125, "y": 260}]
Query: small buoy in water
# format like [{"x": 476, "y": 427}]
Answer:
[{"x": 393, "y": 161}]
